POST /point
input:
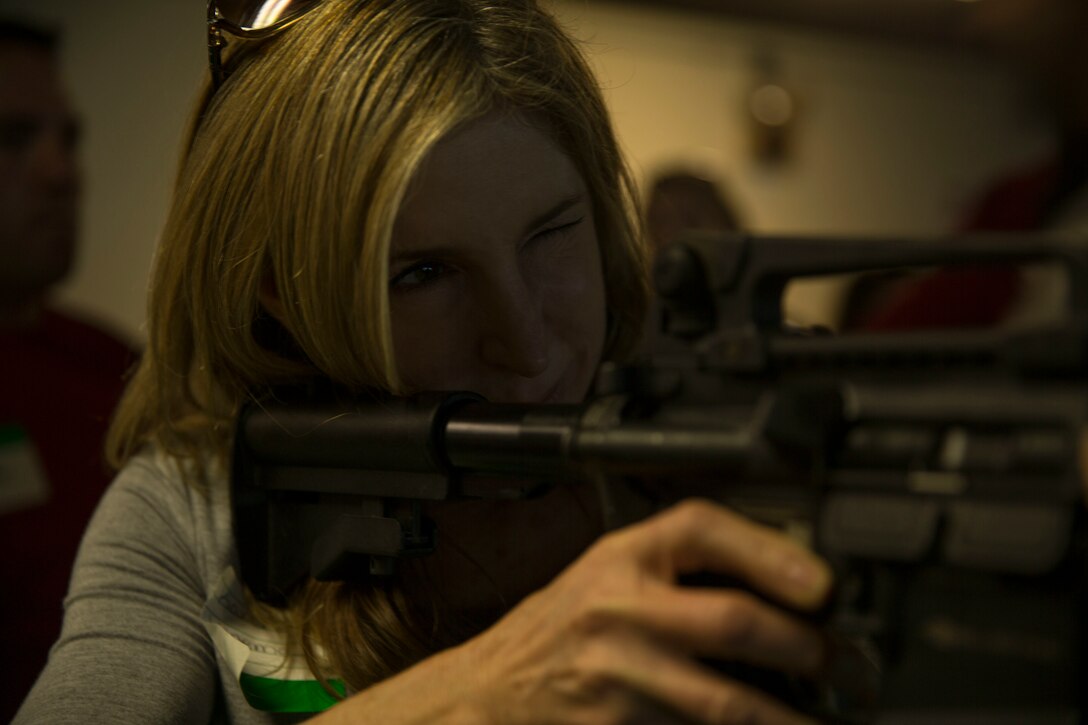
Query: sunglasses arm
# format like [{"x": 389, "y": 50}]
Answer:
[{"x": 216, "y": 43}]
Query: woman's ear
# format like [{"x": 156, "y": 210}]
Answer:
[{"x": 269, "y": 297}]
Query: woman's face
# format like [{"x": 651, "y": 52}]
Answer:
[
  {"x": 495, "y": 281},
  {"x": 496, "y": 287}
]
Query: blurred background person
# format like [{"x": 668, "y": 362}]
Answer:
[
  {"x": 1043, "y": 41},
  {"x": 61, "y": 376},
  {"x": 681, "y": 201}
]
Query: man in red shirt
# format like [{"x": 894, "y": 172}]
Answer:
[{"x": 60, "y": 377}]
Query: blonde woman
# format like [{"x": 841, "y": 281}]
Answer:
[{"x": 403, "y": 195}]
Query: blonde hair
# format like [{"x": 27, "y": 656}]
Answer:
[{"x": 292, "y": 177}]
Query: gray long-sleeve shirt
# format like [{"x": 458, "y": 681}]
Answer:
[{"x": 154, "y": 627}]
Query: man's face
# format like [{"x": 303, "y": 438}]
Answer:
[{"x": 39, "y": 175}]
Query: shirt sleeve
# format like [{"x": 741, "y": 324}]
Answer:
[{"x": 132, "y": 648}]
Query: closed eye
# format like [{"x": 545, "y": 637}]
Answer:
[{"x": 555, "y": 231}]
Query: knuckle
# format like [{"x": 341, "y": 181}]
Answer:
[
  {"x": 695, "y": 512},
  {"x": 732, "y": 706},
  {"x": 610, "y": 553},
  {"x": 738, "y": 622},
  {"x": 700, "y": 508},
  {"x": 590, "y": 677},
  {"x": 611, "y": 543},
  {"x": 593, "y": 620},
  {"x": 601, "y": 556}
]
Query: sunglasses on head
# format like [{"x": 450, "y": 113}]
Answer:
[{"x": 248, "y": 20}]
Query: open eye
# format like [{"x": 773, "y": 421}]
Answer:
[{"x": 418, "y": 275}]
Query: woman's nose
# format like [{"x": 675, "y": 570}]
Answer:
[{"x": 515, "y": 336}]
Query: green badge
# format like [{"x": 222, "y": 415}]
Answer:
[{"x": 23, "y": 483}]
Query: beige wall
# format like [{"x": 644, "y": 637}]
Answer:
[{"x": 891, "y": 140}]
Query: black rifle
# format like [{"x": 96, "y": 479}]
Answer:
[{"x": 938, "y": 471}]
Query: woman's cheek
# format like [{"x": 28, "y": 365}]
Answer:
[{"x": 428, "y": 325}]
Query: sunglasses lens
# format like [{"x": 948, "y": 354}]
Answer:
[{"x": 262, "y": 14}]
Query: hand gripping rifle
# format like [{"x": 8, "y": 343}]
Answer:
[{"x": 937, "y": 470}]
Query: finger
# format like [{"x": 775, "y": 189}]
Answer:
[
  {"x": 696, "y": 536},
  {"x": 726, "y": 624},
  {"x": 697, "y": 692}
]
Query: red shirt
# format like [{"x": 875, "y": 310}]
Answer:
[
  {"x": 975, "y": 297},
  {"x": 60, "y": 383}
]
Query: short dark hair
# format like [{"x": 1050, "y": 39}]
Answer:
[{"x": 15, "y": 31}]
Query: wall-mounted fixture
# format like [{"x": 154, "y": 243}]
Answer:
[{"x": 772, "y": 109}]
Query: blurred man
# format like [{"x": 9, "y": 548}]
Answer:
[
  {"x": 59, "y": 377},
  {"x": 681, "y": 201}
]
